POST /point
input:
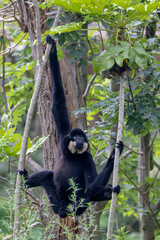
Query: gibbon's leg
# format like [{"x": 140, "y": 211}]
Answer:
[
  {"x": 102, "y": 193},
  {"x": 43, "y": 179}
]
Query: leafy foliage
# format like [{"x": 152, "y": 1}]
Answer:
[
  {"x": 126, "y": 22},
  {"x": 135, "y": 55},
  {"x": 104, "y": 8}
]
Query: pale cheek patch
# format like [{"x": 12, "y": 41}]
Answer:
[
  {"x": 71, "y": 147},
  {"x": 85, "y": 146}
]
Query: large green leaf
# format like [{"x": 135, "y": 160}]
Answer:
[
  {"x": 108, "y": 57},
  {"x": 103, "y": 62},
  {"x": 138, "y": 47},
  {"x": 131, "y": 56},
  {"x": 141, "y": 61},
  {"x": 96, "y": 7},
  {"x": 124, "y": 4},
  {"x": 69, "y": 27}
]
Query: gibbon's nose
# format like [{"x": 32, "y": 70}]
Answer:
[{"x": 79, "y": 145}]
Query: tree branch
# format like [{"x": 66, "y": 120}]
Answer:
[
  {"x": 156, "y": 164},
  {"x": 156, "y": 208},
  {"x": 89, "y": 85},
  {"x": 116, "y": 161},
  {"x": 129, "y": 148},
  {"x": 38, "y": 32},
  {"x": 9, "y": 48},
  {"x": 27, "y": 128},
  {"x": 151, "y": 210},
  {"x": 3, "y": 75},
  {"x": 153, "y": 138}
]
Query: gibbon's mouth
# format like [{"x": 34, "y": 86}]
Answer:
[{"x": 79, "y": 145}]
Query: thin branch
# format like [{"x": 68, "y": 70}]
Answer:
[
  {"x": 116, "y": 161},
  {"x": 17, "y": 105},
  {"x": 151, "y": 185},
  {"x": 9, "y": 48},
  {"x": 156, "y": 207},
  {"x": 130, "y": 89},
  {"x": 153, "y": 139},
  {"x": 3, "y": 69},
  {"x": 129, "y": 148},
  {"x": 4, "y": 179},
  {"x": 89, "y": 85},
  {"x": 56, "y": 20},
  {"x": 101, "y": 36},
  {"x": 38, "y": 32},
  {"x": 89, "y": 44},
  {"x": 142, "y": 197},
  {"x": 156, "y": 164}
]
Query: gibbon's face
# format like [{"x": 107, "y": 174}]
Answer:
[{"x": 78, "y": 143}]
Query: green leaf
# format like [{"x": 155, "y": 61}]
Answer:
[
  {"x": 123, "y": 3},
  {"x": 141, "y": 61},
  {"x": 37, "y": 145},
  {"x": 69, "y": 27},
  {"x": 106, "y": 65},
  {"x": 131, "y": 56},
  {"x": 98, "y": 61},
  {"x": 138, "y": 47},
  {"x": 103, "y": 62},
  {"x": 121, "y": 57}
]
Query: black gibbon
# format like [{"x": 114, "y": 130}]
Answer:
[{"x": 74, "y": 160}]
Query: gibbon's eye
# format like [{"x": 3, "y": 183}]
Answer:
[{"x": 78, "y": 138}]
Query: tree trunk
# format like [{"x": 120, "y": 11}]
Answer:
[
  {"x": 72, "y": 87},
  {"x": 145, "y": 218}
]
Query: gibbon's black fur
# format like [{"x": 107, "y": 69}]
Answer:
[{"x": 74, "y": 160}]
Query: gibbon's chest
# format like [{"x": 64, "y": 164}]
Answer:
[{"x": 66, "y": 169}]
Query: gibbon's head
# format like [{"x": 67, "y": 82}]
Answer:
[{"x": 78, "y": 141}]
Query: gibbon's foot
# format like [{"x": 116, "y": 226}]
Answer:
[
  {"x": 23, "y": 173},
  {"x": 120, "y": 146},
  {"x": 62, "y": 213},
  {"x": 110, "y": 189},
  {"x": 116, "y": 189}
]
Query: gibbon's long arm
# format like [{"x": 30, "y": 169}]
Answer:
[
  {"x": 103, "y": 178},
  {"x": 59, "y": 108}
]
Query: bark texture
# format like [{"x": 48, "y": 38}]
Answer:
[
  {"x": 71, "y": 78},
  {"x": 145, "y": 218}
]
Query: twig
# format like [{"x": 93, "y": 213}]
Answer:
[
  {"x": 101, "y": 36},
  {"x": 17, "y": 105},
  {"x": 156, "y": 164},
  {"x": 142, "y": 197},
  {"x": 9, "y": 48},
  {"x": 151, "y": 185},
  {"x": 89, "y": 85},
  {"x": 156, "y": 207},
  {"x": 129, "y": 148},
  {"x": 3, "y": 179},
  {"x": 89, "y": 44},
  {"x": 130, "y": 89},
  {"x": 38, "y": 32},
  {"x": 153, "y": 139},
  {"x": 3, "y": 76}
]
